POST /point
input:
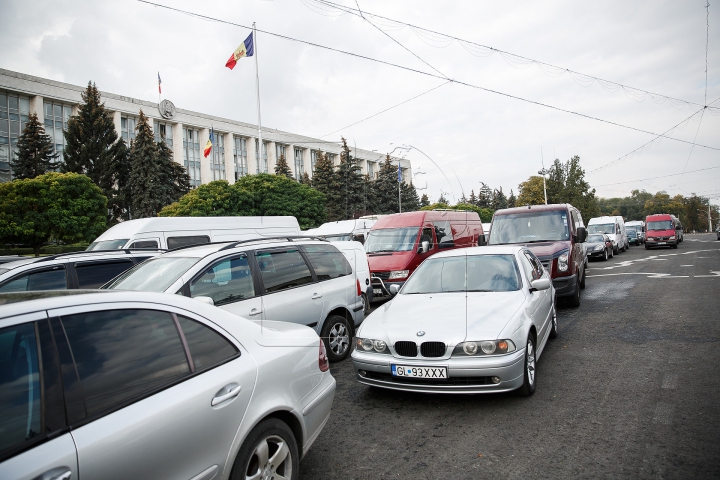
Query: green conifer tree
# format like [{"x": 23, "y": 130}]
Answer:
[
  {"x": 350, "y": 181},
  {"x": 324, "y": 181},
  {"x": 174, "y": 179},
  {"x": 147, "y": 189},
  {"x": 512, "y": 199},
  {"x": 499, "y": 200},
  {"x": 442, "y": 199},
  {"x": 424, "y": 200},
  {"x": 35, "y": 153},
  {"x": 282, "y": 167},
  {"x": 386, "y": 188},
  {"x": 305, "y": 179},
  {"x": 473, "y": 199},
  {"x": 410, "y": 199},
  {"x": 485, "y": 196}
]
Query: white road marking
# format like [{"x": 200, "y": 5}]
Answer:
[
  {"x": 715, "y": 274},
  {"x": 647, "y": 274},
  {"x": 687, "y": 265}
]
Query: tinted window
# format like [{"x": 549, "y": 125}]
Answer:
[
  {"x": 20, "y": 419},
  {"x": 327, "y": 262},
  {"x": 530, "y": 227},
  {"x": 443, "y": 233},
  {"x": 122, "y": 354},
  {"x": 282, "y": 270},
  {"x": 93, "y": 275},
  {"x": 228, "y": 281},
  {"x": 596, "y": 239},
  {"x": 108, "y": 244},
  {"x": 47, "y": 280},
  {"x": 206, "y": 346},
  {"x": 177, "y": 242},
  {"x": 145, "y": 244}
]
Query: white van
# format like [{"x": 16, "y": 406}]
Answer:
[
  {"x": 356, "y": 256},
  {"x": 613, "y": 227},
  {"x": 174, "y": 232},
  {"x": 343, "y": 230}
]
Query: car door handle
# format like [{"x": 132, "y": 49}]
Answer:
[
  {"x": 316, "y": 296},
  {"x": 254, "y": 312},
  {"x": 226, "y": 393},
  {"x": 59, "y": 473}
]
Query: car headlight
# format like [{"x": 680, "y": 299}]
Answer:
[
  {"x": 483, "y": 347},
  {"x": 599, "y": 247},
  {"x": 398, "y": 274},
  {"x": 672, "y": 238},
  {"x": 371, "y": 346},
  {"x": 650, "y": 239},
  {"x": 562, "y": 264}
]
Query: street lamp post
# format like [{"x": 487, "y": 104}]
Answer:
[
  {"x": 709, "y": 219},
  {"x": 544, "y": 172}
]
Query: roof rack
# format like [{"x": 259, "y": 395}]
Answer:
[
  {"x": 125, "y": 250},
  {"x": 235, "y": 243}
]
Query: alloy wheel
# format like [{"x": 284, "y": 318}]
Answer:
[
  {"x": 271, "y": 459},
  {"x": 338, "y": 339},
  {"x": 530, "y": 362}
]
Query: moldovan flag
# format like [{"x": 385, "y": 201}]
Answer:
[
  {"x": 244, "y": 50},
  {"x": 159, "y": 84},
  {"x": 209, "y": 144}
]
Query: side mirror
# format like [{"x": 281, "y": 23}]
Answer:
[
  {"x": 540, "y": 284},
  {"x": 581, "y": 234},
  {"x": 204, "y": 299},
  {"x": 394, "y": 289}
]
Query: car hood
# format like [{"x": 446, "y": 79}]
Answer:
[
  {"x": 388, "y": 261},
  {"x": 446, "y": 317},
  {"x": 591, "y": 245},
  {"x": 548, "y": 249}
]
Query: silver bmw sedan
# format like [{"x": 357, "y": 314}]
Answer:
[{"x": 471, "y": 320}]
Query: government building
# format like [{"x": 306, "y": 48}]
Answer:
[{"x": 234, "y": 152}]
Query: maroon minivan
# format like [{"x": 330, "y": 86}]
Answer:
[{"x": 555, "y": 234}]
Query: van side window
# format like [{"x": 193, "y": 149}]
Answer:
[
  {"x": 443, "y": 233},
  {"x": 427, "y": 236},
  {"x": 177, "y": 242},
  {"x": 145, "y": 244},
  {"x": 225, "y": 282},
  {"x": 96, "y": 274},
  {"x": 281, "y": 270},
  {"x": 327, "y": 262}
]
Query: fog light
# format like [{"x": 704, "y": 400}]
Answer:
[
  {"x": 495, "y": 379},
  {"x": 362, "y": 373}
]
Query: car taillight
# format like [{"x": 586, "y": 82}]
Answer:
[
  {"x": 359, "y": 290},
  {"x": 323, "y": 361}
]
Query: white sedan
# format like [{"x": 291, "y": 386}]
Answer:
[
  {"x": 118, "y": 385},
  {"x": 470, "y": 320}
]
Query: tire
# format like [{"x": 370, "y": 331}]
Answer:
[
  {"x": 366, "y": 304},
  {"x": 280, "y": 442},
  {"x": 616, "y": 250},
  {"x": 574, "y": 301},
  {"x": 606, "y": 256},
  {"x": 612, "y": 253},
  {"x": 647, "y": 247},
  {"x": 554, "y": 326},
  {"x": 336, "y": 333},
  {"x": 675, "y": 245},
  {"x": 530, "y": 377},
  {"x": 582, "y": 281}
]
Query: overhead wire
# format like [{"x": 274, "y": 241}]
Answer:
[
  {"x": 655, "y": 178},
  {"x": 459, "y": 82},
  {"x": 633, "y": 93}
]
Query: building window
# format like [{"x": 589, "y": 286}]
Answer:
[
  {"x": 264, "y": 167},
  {"x": 14, "y": 114},
  {"x": 128, "y": 126},
  {"x": 240, "y": 157},
  {"x": 218, "y": 157},
  {"x": 331, "y": 157},
  {"x": 371, "y": 169},
  {"x": 299, "y": 164},
  {"x": 280, "y": 152},
  {"x": 56, "y": 118},
  {"x": 313, "y": 160},
  {"x": 191, "y": 155},
  {"x": 163, "y": 132}
]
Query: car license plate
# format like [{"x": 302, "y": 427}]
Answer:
[
  {"x": 662, "y": 243},
  {"x": 377, "y": 291},
  {"x": 419, "y": 372}
]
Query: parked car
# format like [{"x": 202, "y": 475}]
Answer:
[
  {"x": 472, "y": 320},
  {"x": 679, "y": 230},
  {"x": 613, "y": 227},
  {"x": 356, "y": 256},
  {"x": 632, "y": 236},
  {"x": 398, "y": 243},
  {"x": 69, "y": 270},
  {"x": 117, "y": 385},
  {"x": 661, "y": 231},
  {"x": 287, "y": 279},
  {"x": 10, "y": 258},
  {"x": 343, "y": 230},
  {"x": 639, "y": 227},
  {"x": 717, "y": 230},
  {"x": 599, "y": 245},
  {"x": 555, "y": 234},
  {"x": 175, "y": 232}
]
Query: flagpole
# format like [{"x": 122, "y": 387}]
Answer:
[{"x": 257, "y": 84}]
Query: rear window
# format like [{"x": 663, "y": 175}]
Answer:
[
  {"x": 177, "y": 242},
  {"x": 327, "y": 262}
]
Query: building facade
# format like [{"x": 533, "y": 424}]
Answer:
[{"x": 235, "y": 150}]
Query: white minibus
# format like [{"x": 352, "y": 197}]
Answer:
[{"x": 613, "y": 227}]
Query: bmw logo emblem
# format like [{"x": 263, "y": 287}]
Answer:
[{"x": 420, "y": 333}]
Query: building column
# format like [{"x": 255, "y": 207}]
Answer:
[
  {"x": 272, "y": 156},
  {"x": 177, "y": 138},
  {"x": 36, "y": 107},
  {"x": 229, "y": 157},
  {"x": 116, "y": 121},
  {"x": 251, "y": 152},
  {"x": 205, "y": 170}
]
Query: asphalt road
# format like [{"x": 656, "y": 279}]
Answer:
[{"x": 629, "y": 389}]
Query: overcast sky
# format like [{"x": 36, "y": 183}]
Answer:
[{"x": 473, "y": 135}]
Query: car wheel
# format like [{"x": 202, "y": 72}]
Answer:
[
  {"x": 336, "y": 334},
  {"x": 647, "y": 247},
  {"x": 606, "y": 256},
  {"x": 584, "y": 274},
  {"x": 269, "y": 451},
  {"x": 528, "y": 386},
  {"x": 366, "y": 304},
  {"x": 612, "y": 253},
  {"x": 574, "y": 301},
  {"x": 554, "y": 326},
  {"x": 675, "y": 245},
  {"x": 615, "y": 250}
]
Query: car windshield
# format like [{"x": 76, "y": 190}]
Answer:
[
  {"x": 391, "y": 239},
  {"x": 474, "y": 273},
  {"x": 631, "y": 232},
  {"x": 153, "y": 275},
  {"x": 608, "y": 228},
  {"x": 595, "y": 239},
  {"x": 530, "y": 227},
  {"x": 661, "y": 225},
  {"x": 108, "y": 244},
  {"x": 346, "y": 237}
]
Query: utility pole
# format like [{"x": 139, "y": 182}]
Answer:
[{"x": 543, "y": 172}]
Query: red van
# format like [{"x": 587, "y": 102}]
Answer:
[
  {"x": 661, "y": 231},
  {"x": 555, "y": 234},
  {"x": 398, "y": 243}
]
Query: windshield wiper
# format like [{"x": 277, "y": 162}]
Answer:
[{"x": 382, "y": 251}]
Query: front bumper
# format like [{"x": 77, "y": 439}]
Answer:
[
  {"x": 381, "y": 289},
  {"x": 664, "y": 243},
  {"x": 565, "y": 286},
  {"x": 594, "y": 254},
  {"x": 465, "y": 375}
]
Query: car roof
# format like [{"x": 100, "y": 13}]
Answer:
[
  {"x": 484, "y": 250},
  {"x": 81, "y": 255},
  {"x": 201, "y": 251},
  {"x": 530, "y": 208}
]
